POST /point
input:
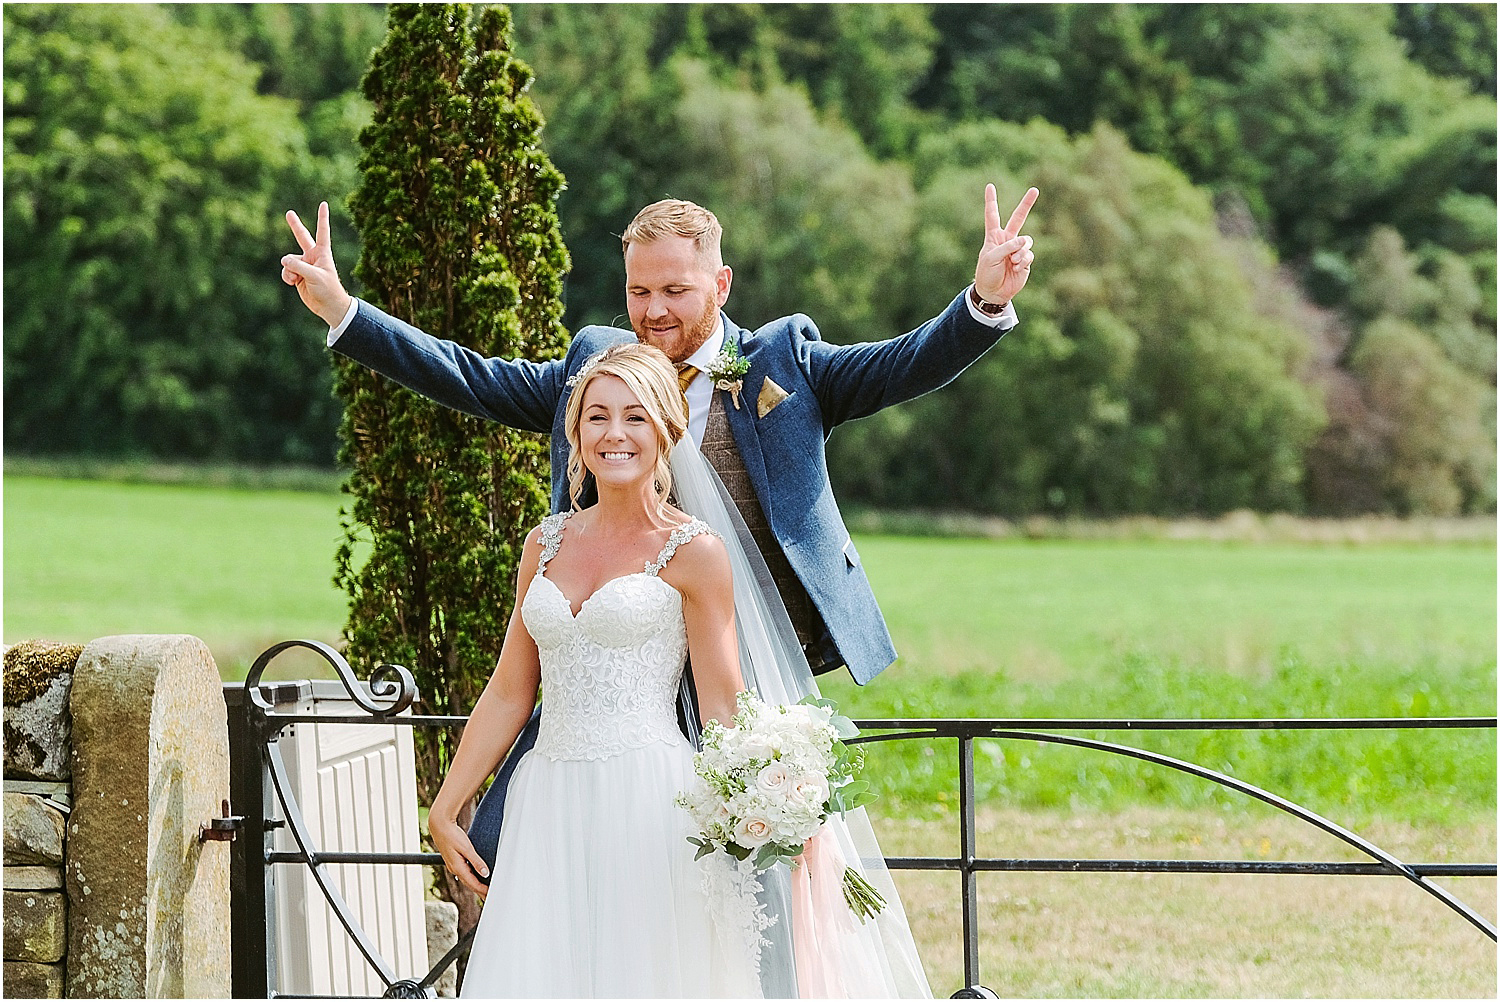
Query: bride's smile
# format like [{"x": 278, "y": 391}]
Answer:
[{"x": 618, "y": 440}]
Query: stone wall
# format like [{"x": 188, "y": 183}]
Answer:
[
  {"x": 116, "y": 754},
  {"x": 38, "y": 800}
]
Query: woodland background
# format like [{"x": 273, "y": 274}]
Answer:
[{"x": 1266, "y": 237}]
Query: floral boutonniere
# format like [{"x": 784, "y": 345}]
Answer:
[{"x": 727, "y": 369}]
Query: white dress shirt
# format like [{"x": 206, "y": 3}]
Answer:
[{"x": 700, "y": 391}]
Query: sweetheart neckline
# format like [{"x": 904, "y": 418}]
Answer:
[{"x": 542, "y": 574}]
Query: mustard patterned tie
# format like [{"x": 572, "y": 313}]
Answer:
[{"x": 685, "y": 374}]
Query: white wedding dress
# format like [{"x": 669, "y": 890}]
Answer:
[{"x": 594, "y": 891}]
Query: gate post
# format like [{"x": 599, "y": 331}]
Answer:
[
  {"x": 249, "y": 877},
  {"x": 148, "y": 893}
]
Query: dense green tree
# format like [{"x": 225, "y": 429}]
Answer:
[
  {"x": 1312, "y": 116},
  {"x": 315, "y": 55},
  {"x": 143, "y": 179},
  {"x": 307, "y": 52},
  {"x": 1452, "y": 40},
  {"x": 1422, "y": 432},
  {"x": 1156, "y": 73},
  {"x": 456, "y": 205},
  {"x": 1142, "y": 378},
  {"x": 1312, "y": 113},
  {"x": 1349, "y": 134},
  {"x": 610, "y": 129},
  {"x": 858, "y": 62},
  {"x": 812, "y": 223},
  {"x": 1439, "y": 457}
]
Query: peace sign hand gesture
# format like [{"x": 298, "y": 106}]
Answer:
[
  {"x": 1005, "y": 259},
  {"x": 312, "y": 272}
]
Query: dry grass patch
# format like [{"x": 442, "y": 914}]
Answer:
[{"x": 1200, "y": 935}]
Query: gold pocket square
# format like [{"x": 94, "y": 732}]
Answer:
[{"x": 770, "y": 396}]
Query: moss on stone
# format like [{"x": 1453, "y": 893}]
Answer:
[{"x": 33, "y": 665}]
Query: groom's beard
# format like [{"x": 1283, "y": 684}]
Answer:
[{"x": 690, "y": 337}]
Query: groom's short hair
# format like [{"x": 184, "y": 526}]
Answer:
[{"x": 673, "y": 217}]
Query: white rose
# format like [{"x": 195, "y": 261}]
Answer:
[
  {"x": 755, "y": 746},
  {"x": 752, "y": 832},
  {"x": 773, "y": 779},
  {"x": 811, "y": 789}
]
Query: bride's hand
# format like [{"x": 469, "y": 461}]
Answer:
[{"x": 459, "y": 854}]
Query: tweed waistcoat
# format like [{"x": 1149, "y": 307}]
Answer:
[{"x": 724, "y": 456}]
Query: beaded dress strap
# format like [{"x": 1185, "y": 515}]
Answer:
[
  {"x": 551, "y": 538},
  {"x": 680, "y": 535}
]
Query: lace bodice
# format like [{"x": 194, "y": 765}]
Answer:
[{"x": 609, "y": 674}]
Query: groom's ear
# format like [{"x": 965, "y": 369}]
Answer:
[{"x": 722, "y": 281}]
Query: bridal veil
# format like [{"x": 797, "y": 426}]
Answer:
[{"x": 834, "y": 954}]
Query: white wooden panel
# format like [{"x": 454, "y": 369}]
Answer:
[
  {"x": 387, "y": 930},
  {"x": 410, "y": 881},
  {"x": 333, "y": 780},
  {"x": 297, "y": 931},
  {"x": 357, "y": 794},
  {"x": 356, "y": 785}
]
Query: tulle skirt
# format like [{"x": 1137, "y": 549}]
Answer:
[{"x": 594, "y": 892}]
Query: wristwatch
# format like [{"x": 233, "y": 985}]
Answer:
[{"x": 987, "y": 308}]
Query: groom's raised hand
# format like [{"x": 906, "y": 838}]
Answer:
[
  {"x": 312, "y": 272},
  {"x": 1005, "y": 259}
]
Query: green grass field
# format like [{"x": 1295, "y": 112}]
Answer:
[
  {"x": 240, "y": 569},
  {"x": 1169, "y": 629},
  {"x": 1050, "y": 628},
  {"x": 1007, "y": 628}
]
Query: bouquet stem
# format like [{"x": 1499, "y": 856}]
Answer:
[{"x": 862, "y": 899}]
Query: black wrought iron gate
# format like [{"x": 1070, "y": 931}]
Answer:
[{"x": 262, "y": 802}]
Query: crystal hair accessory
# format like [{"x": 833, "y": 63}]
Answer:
[{"x": 589, "y": 365}]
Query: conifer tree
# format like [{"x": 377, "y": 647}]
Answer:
[{"x": 456, "y": 210}]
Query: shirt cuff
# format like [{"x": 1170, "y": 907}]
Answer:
[
  {"x": 1006, "y": 318},
  {"x": 334, "y": 332}
]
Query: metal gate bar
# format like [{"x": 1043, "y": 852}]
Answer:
[{"x": 254, "y": 726}]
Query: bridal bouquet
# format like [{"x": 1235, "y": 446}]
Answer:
[{"x": 766, "y": 785}]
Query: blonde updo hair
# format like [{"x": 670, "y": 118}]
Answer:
[{"x": 650, "y": 375}]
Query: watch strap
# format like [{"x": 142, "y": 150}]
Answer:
[{"x": 983, "y": 306}]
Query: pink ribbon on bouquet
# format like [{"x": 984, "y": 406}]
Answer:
[{"x": 836, "y": 956}]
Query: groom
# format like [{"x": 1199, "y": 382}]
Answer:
[{"x": 765, "y": 438}]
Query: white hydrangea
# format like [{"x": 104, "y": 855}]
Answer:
[{"x": 768, "y": 781}]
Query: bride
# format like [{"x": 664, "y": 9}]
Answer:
[{"x": 597, "y": 893}]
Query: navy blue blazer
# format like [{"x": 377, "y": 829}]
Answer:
[{"x": 826, "y": 385}]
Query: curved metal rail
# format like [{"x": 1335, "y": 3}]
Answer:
[
  {"x": 392, "y": 690},
  {"x": 1394, "y": 866}
]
